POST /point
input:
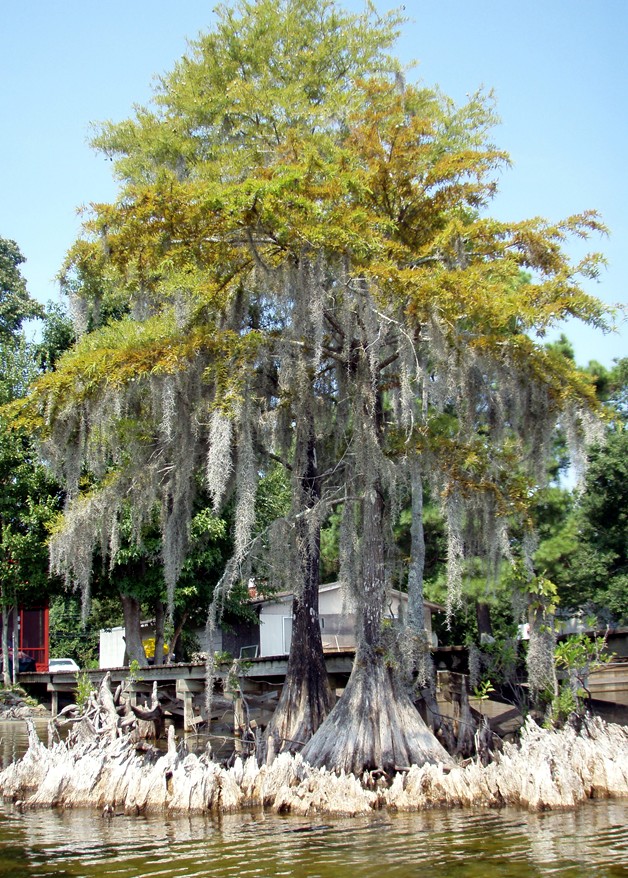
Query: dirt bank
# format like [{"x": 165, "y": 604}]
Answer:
[{"x": 16, "y": 704}]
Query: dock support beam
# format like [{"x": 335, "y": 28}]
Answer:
[
  {"x": 186, "y": 690},
  {"x": 54, "y": 689}
]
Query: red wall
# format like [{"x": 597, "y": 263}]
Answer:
[{"x": 34, "y": 634}]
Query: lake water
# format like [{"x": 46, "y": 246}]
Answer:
[{"x": 591, "y": 841}]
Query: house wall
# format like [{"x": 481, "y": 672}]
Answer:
[
  {"x": 112, "y": 645},
  {"x": 334, "y": 601},
  {"x": 275, "y": 627},
  {"x": 112, "y": 648},
  {"x": 34, "y": 641},
  {"x": 205, "y": 645},
  {"x": 337, "y": 620},
  {"x": 338, "y": 631},
  {"x": 232, "y": 640}
]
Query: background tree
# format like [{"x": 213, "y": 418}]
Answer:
[
  {"x": 599, "y": 569},
  {"x": 16, "y": 305},
  {"x": 70, "y": 637},
  {"x": 29, "y": 497},
  {"x": 581, "y": 528}
]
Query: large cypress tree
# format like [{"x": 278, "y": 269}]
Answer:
[{"x": 302, "y": 267}]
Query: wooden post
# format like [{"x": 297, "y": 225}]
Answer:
[
  {"x": 186, "y": 690},
  {"x": 238, "y": 721},
  {"x": 188, "y": 711},
  {"x": 132, "y": 694}
]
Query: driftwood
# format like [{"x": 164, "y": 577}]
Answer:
[
  {"x": 152, "y": 720},
  {"x": 99, "y": 765},
  {"x": 106, "y": 715}
]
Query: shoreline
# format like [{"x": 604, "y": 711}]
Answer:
[
  {"x": 17, "y": 705},
  {"x": 548, "y": 770}
]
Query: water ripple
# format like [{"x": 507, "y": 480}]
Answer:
[{"x": 591, "y": 841}]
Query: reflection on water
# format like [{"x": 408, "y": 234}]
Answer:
[
  {"x": 14, "y": 739},
  {"x": 591, "y": 841}
]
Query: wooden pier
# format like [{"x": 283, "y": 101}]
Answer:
[
  {"x": 609, "y": 684},
  {"x": 255, "y": 683},
  {"x": 181, "y": 686}
]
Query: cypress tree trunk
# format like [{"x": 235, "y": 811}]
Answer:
[
  {"x": 175, "y": 638},
  {"x": 423, "y": 664},
  {"x": 132, "y": 631},
  {"x": 160, "y": 621},
  {"x": 6, "y": 677},
  {"x": 16, "y": 644},
  {"x": 374, "y": 725},
  {"x": 416, "y": 609},
  {"x": 306, "y": 697},
  {"x": 483, "y": 618}
]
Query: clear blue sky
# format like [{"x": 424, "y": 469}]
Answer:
[{"x": 558, "y": 68}]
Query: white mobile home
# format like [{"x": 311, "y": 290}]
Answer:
[
  {"x": 336, "y": 614},
  {"x": 112, "y": 647}
]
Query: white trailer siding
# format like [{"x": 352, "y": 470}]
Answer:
[
  {"x": 336, "y": 614},
  {"x": 276, "y": 627},
  {"x": 112, "y": 648}
]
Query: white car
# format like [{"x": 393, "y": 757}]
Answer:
[{"x": 63, "y": 664}]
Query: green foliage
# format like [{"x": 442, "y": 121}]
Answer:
[
  {"x": 600, "y": 563},
  {"x": 16, "y": 305},
  {"x": 483, "y": 691},
  {"x": 238, "y": 669},
  {"x": 502, "y": 664},
  {"x": 582, "y": 654},
  {"x": 559, "y": 535},
  {"x": 57, "y": 336},
  {"x": 543, "y": 595},
  {"x": 563, "y": 346},
  {"x": 84, "y": 689},
  {"x": 29, "y": 500},
  {"x": 273, "y": 497},
  {"x": 330, "y": 533},
  {"x": 562, "y": 706},
  {"x": 29, "y": 496},
  {"x": 576, "y": 657},
  {"x": 221, "y": 658},
  {"x": 70, "y": 637},
  {"x": 611, "y": 385},
  {"x": 134, "y": 674},
  {"x": 18, "y": 368}
]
